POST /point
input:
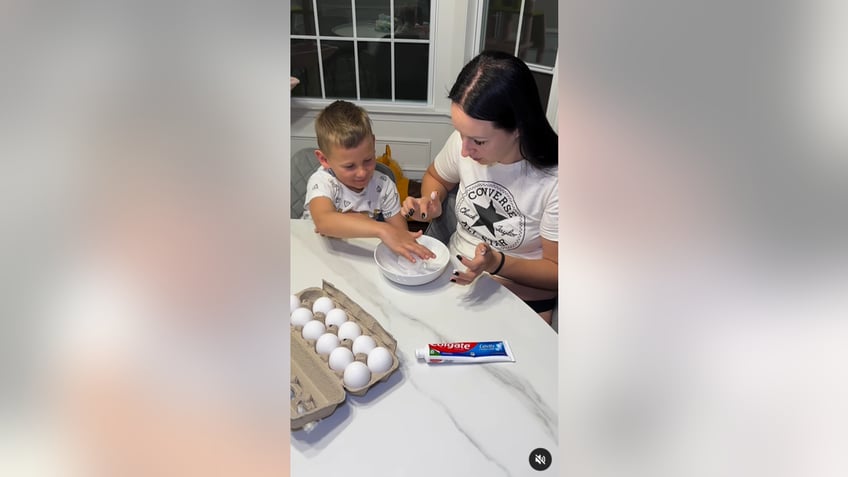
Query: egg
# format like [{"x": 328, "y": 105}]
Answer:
[
  {"x": 363, "y": 344},
  {"x": 340, "y": 358},
  {"x": 326, "y": 343},
  {"x": 301, "y": 316},
  {"x": 322, "y": 305},
  {"x": 349, "y": 331},
  {"x": 379, "y": 360},
  {"x": 313, "y": 330},
  {"x": 295, "y": 303},
  {"x": 356, "y": 375},
  {"x": 335, "y": 317}
]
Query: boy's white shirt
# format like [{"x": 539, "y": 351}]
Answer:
[
  {"x": 509, "y": 206},
  {"x": 380, "y": 195}
]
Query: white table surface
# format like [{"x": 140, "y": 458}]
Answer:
[{"x": 480, "y": 419}]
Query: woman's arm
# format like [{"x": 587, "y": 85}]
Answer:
[
  {"x": 428, "y": 207},
  {"x": 541, "y": 273}
]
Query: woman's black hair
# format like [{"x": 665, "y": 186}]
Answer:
[{"x": 498, "y": 87}]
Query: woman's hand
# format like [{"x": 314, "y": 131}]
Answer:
[
  {"x": 485, "y": 259},
  {"x": 424, "y": 209},
  {"x": 403, "y": 243}
]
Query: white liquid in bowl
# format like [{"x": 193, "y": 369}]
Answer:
[{"x": 401, "y": 270}]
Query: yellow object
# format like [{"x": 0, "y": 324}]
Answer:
[{"x": 401, "y": 180}]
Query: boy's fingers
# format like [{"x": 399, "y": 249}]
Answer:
[
  {"x": 424, "y": 253},
  {"x": 408, "y": 255}
]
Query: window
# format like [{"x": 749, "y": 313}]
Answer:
[
  {"x": 527, "y": 29},
  {"x": 362, "y": 49}
]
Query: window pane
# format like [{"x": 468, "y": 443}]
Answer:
[
  {"x": 412, "y": 19},
  {"x": 375, "y": 70},
  {"x": 302, "y": 18},
  {"x": 539, "y": 33},
  {"x": 412, "y": 62},
  {"x": 501, "y": 25},
  {"x": 334, "y": 18},
  {"x": 538, "y": 29},
  {"x": 373, "y": 19},
  {"x": 543, "y": 83},
  {"x": 304, "y": 66},
  {"x": 339, "y": 69}
]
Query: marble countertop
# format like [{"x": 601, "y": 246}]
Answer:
[{"x": 480, "y": 419}]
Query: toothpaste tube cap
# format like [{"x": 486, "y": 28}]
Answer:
[{"x": 420, "y": 353}]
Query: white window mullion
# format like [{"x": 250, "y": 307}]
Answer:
[
  {"x": 553, "y": 97},
  {"x": 520, "y": 24},
  {"x": 392, "y": 47},
  {"x": 479, "y": 28},
  {"x": 355, "y": 48},
  {"x": 318, "y": 47},
  {"x": 431, "y": 66}
]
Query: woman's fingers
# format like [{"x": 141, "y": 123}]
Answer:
[
  {"x": 462, "y": 278},
  {"x": 474, "y": 266},
  {"x": 408, "y": 208}
]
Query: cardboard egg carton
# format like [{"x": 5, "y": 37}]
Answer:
[{"x": 317, "y": 390}]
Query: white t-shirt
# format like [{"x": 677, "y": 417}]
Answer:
[
  {"x": 379, "y": 197},
  {"x": 509, "y": 206}
]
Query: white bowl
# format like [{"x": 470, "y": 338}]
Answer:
[{"x": 394, "y": 267}]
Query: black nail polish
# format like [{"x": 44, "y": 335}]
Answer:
[
  {"x": 456, "y": 274},
  {"x": 459, "y": 257},
  {"x": 453, "y": 280},
  {"x": 423, "y": 215}
]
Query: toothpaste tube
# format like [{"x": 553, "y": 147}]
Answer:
[{"x": 466, "y": 352}]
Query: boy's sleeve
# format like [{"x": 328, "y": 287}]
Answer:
[
  {"x": 320, "y": 185},
  {"x": 389, "y": 198},
  {"x": 447, "y": 161},
  {"x": 549, "y": 225}
]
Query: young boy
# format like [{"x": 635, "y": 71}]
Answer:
[{"x": 346, "y": 197}]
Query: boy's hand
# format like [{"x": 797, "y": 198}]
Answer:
[
  {"x": 403, "y": 243},
  {"x": 424, "y": 209},
  {"x": 485, "y": 259}
]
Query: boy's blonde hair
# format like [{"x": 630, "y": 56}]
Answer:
[{"x": 343, "y": 124}]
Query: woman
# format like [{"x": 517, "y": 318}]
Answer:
[{"x": 502, "y": 159}]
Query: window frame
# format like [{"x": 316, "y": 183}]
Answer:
[
  {"x": 474, "y": 45},
  {"x": 442, "y": 61}
]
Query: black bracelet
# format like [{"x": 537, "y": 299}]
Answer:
[{"x": 500, "y": 265}]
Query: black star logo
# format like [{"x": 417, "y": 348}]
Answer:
[{"x": 488, "y": 217}]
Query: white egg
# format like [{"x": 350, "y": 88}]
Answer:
[
  {"x": 335, "y": 317},
  {"x": 301, "y": 316},
  {"x": 295, "y": 303},
  {"x": 363, "y": 344},
  {"x": 356, "y": 375},
  {"x": 349, "y": 331},
  {"x": 379, "y": 360},
  {"x": 322, "y": 305},
  {"x": 340, "y": 358},
  {"x": 313, "y": 330},
  {"x": 326, "y": 343}
]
